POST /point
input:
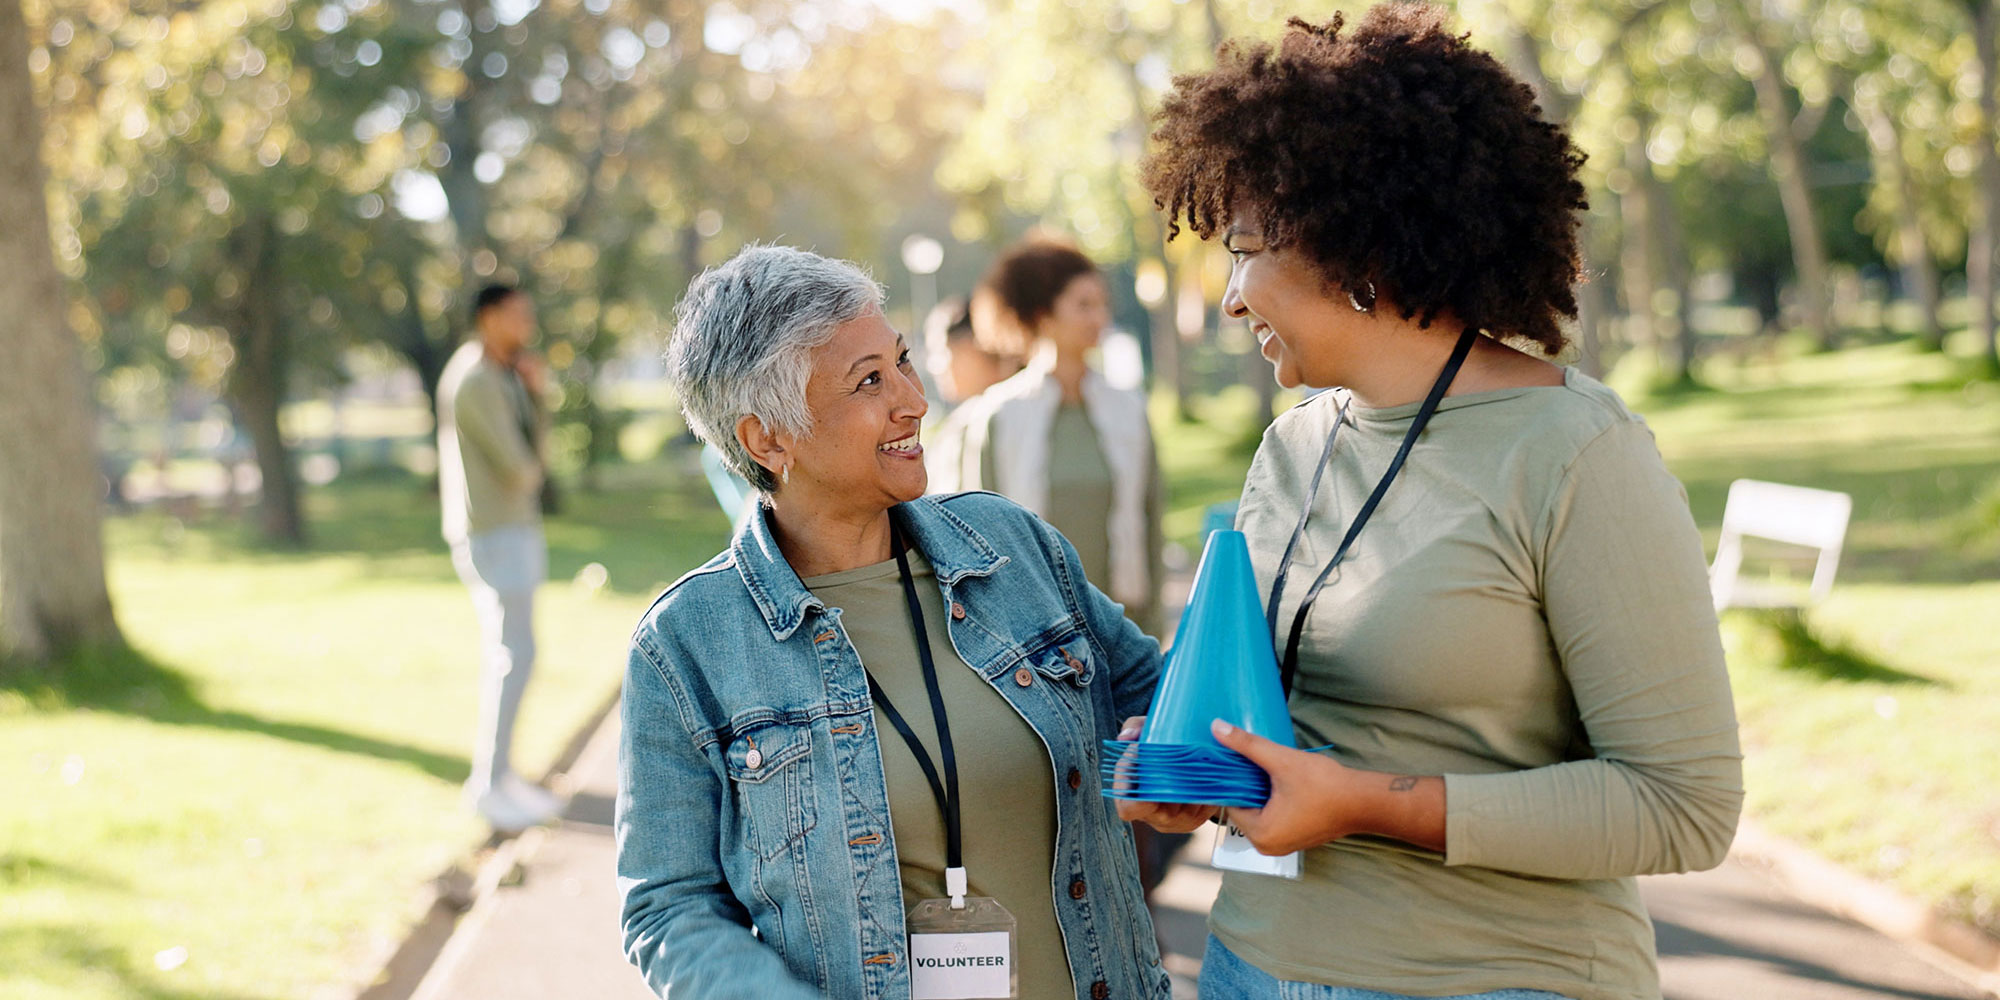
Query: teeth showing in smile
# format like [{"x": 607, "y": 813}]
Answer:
[{"x": 901, "y": 446}]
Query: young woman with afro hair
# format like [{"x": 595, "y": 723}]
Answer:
[{"x": 1515, "y": 667}]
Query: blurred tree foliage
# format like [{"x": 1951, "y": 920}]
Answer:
[{"x": 244, "y": 190}]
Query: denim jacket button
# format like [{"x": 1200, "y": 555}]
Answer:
[
  {"x": 754, "y": 759},
  {"x": 1075, "y": 779},
  {"x": 958, "y": 611},
  {"x": 1077, "y": 890},
  {"x": 1024, "y": 677},
  {"x": 1100, "y": 990}
]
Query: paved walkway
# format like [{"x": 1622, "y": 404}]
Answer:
[{"x": 1723, "y": 935}]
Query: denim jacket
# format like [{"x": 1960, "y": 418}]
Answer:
[{"x": 774, "y": 875}]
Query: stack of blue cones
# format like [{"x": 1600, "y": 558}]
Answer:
[{"x": 1221, "y": 667}]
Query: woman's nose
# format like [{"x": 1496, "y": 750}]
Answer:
[
  {"x": 1232, "y": 302},
  {"x": 913, "y": 395}
]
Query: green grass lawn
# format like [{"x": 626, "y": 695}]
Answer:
[
  {"x": 271, "y": 776},
  {"x": 1202, "y": 462},
  {"x": 1872, "y": 731}
]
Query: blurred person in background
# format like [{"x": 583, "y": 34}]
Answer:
[
  {"x": 1056, "y": 437},
  {"x": 874, "y": 699},
  {"x": 1059, "y": 439},
  {"x": 962, "y": 368},
  {"x": 1515, "y": 672},
  {"x": 491, "y": 470}
]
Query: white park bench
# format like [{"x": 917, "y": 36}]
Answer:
[{"x": 1806, "y": 519}]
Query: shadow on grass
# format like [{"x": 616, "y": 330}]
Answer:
[
  {"x": 129, "y": 682},
  {"x": 66, "y": 947},
  {"x": 1801, "y": 649},
  {"x": 20, "y": 872}
]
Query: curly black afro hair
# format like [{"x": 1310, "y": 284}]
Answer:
[{"x": 1395, "y": 153}]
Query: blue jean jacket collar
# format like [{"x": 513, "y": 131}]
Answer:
[{"x": 954, "y": 548}]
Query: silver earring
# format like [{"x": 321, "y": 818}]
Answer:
[
  {"x": 1359, "y": 305},
  {"x": 785, "y": 475}
]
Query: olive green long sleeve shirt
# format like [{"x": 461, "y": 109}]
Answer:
[{"x": 1527, "y": 614}]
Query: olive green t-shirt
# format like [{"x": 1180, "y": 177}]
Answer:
[
  {"x": 1006, "y": 782},
  {"x": 1080, "y": 489},
  {"x": 1527, "y": 613},
  {"x": 1080, "y": 497}
]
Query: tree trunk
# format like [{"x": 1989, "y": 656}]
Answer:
[
  {"x": 614, "y": 274},
  {"x": 1788, "y": 168},
  {"x": 1190, "y": 312},
  {"x": 258, "y": 380},
  {"x": 414, "y": 340},
  {"x": 465, "y": 194},
  {"x": 1920, "y": 272},
  {"x": 1675, "y": 275},
  {"x": 1639, "y": 263},
  {"x": 1981, "y": 262},
  {"x": 690, "y": 253},
  {"x": 1164, "y": 335},
  {"x": 52, "y": 591}
]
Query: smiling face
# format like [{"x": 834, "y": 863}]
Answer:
[
  {"x": 866, "y": 405},
  {"x": 1301, "y": 327}
]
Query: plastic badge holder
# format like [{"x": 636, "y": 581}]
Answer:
[
  {"x": 963, "y": 954},
  {"x": 1234, "y": 853}
]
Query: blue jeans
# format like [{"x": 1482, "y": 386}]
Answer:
[{"x": 1224, "y": 974}]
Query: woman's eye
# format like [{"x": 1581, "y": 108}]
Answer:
[
  {"x": 903, "y": 360},
  {"x": 873, "y": 378}
]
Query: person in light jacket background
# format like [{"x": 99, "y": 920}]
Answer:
[{"x": 1058, "y": 438}]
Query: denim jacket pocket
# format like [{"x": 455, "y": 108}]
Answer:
[
  {"x": 1068, "y": 661},
  {"x": 770, "y": 773}
]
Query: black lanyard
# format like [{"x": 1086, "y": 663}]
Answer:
[
  {"x": 1288, "y": 666},
  {"x": 946, "y": 790}
]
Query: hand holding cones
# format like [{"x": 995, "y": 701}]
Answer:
[
  {"x": 1218, "y": 734},
  {"x": 1221, "y": 667}
]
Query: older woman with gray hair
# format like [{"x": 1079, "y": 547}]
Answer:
[{"x": 860, "y": 744}]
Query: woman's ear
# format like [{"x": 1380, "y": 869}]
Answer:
[{"x": 763, "y": 445}]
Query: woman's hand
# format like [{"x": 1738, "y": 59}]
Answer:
[
  {"x": 1165, "y": 817},
  {"x": 1316, "y": 800}
]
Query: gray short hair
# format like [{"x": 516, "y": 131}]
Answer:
[{"x": 743, "y": 340}]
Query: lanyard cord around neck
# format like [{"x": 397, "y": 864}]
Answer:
[
  {"x": 1288, "y": 666},
  {"x": 945, "y": 790}
]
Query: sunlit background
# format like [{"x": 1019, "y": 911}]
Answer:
[{"x": 272, "y": 217}]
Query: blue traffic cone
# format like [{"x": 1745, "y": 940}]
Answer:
[{"x": 1222, "y": 665}]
